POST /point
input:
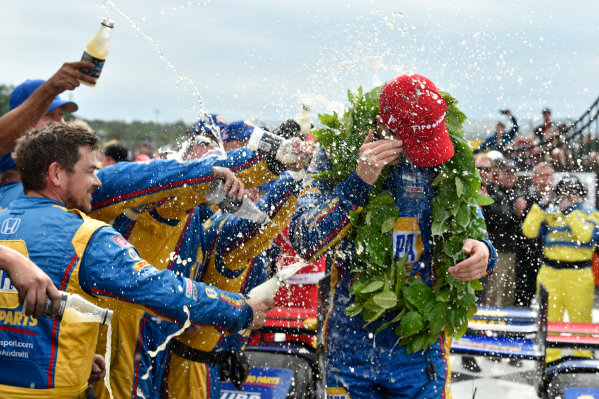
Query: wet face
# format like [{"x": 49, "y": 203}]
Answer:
[
  {"x": 567, "y": 200},
  {"x": 542, "y": 179},
  {"x": 56, "y": 115},
  {"x": 82, "y": 181},
  {"x": 234, "y": 144},
  {"x": 196, "y": 151}
]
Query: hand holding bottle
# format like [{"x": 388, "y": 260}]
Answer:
[
  {"x": 233, "y": 187},
  {"x": 303, "y": 150},
  {"x": 68, "y": 77},
  {"x": 33, "y": 285},
  {"x": 244, "y": 208},
  {"x": 260, "y": 307}
]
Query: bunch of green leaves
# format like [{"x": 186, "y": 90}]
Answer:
[
  {"x": 343, "y": 136},
  {"x": 421, "y": 313}
]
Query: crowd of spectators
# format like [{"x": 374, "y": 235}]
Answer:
[{"x": 545, "y": 143}]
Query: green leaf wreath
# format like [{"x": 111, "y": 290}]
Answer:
[{"x": 421, "y": 313}]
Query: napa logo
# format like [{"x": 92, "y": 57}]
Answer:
[
  {"x": 407, "y": 239},
  {"x": 5, "y": 283},
  {"x": 140, "y": 265},
  {"x": 211, "y": 293}
]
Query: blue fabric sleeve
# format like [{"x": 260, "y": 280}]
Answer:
[
  {"x": 111, "y": 267},
  {"x": 322, "y": 215},
  {"x": 129, "y": 184}
]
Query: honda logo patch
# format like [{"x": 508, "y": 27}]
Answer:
[{"x": 10, "y": 226}]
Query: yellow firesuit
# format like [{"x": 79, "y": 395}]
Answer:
[{"x": 569, "y": 240}]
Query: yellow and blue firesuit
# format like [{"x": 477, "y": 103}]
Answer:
[
  {"x": 128, "y": 185},
  {"x": 258, "y": 272},
  {"x": 360, "y": 363},
  {"x": 170, "y": 235},
  {"x": 569, "y": 240},
  {"x": 48, "y": 358},
  {"x": 231, "y": 261}
]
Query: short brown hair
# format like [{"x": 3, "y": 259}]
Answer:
[{"x": 56, "y": 142}]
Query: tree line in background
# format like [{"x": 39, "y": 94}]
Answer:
[{"x": 132, "y": 134}]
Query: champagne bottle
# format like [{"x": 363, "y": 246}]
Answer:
[
  {"x": 267, "y": 289},
  {"x": 96, "y": 50},
  {"x": 275, "y": 146},
  {"x": 303, "y": 120},
  {"x": 75, "y": 309},
  {"x": 244, "y": 209}
]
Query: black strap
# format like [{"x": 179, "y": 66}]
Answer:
[
  {"x": 195, "y": 355},
  {"x": 558, "y": 264}
]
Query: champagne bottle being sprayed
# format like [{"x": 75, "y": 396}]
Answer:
[
  {"x": 75, "y": 309},
  {"x": 96, "y": 50},
  {"x": 275, "y": 146},
  {"x": 244, "y": 209},
  {"x": 303, "y": 120},
  {"x": 269, "y": 288}
]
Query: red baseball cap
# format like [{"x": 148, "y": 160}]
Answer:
[{"x": 412, "y": 107}]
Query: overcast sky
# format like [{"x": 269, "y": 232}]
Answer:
[{"x": 259, "y": 59}]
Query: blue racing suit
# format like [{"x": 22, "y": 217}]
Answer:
[
  {"x": 169, "y": 234},
  {"x": 569, "y": 241},
  {"x": 84, "y": 256},
  {"x": 358, "y": 362},
  {"x": 230, "y": 245},
  {"x": 10, "y": 192},
  {"x": 258, "y": 272},
  {"x": 128, "y": 185}
]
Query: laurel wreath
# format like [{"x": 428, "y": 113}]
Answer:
[{"x": 419, "y": 313}]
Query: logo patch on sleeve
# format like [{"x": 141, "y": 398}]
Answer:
[
  {"x": 188, "y": 288},
  {"x": 211, "y": 293},
  {"x": 140, "y": 265},
  {"x": 121, "y": 241},
  {"x": 133, "y": 254}
]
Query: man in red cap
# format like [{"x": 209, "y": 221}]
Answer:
[{"x": 361, "y": 363}]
